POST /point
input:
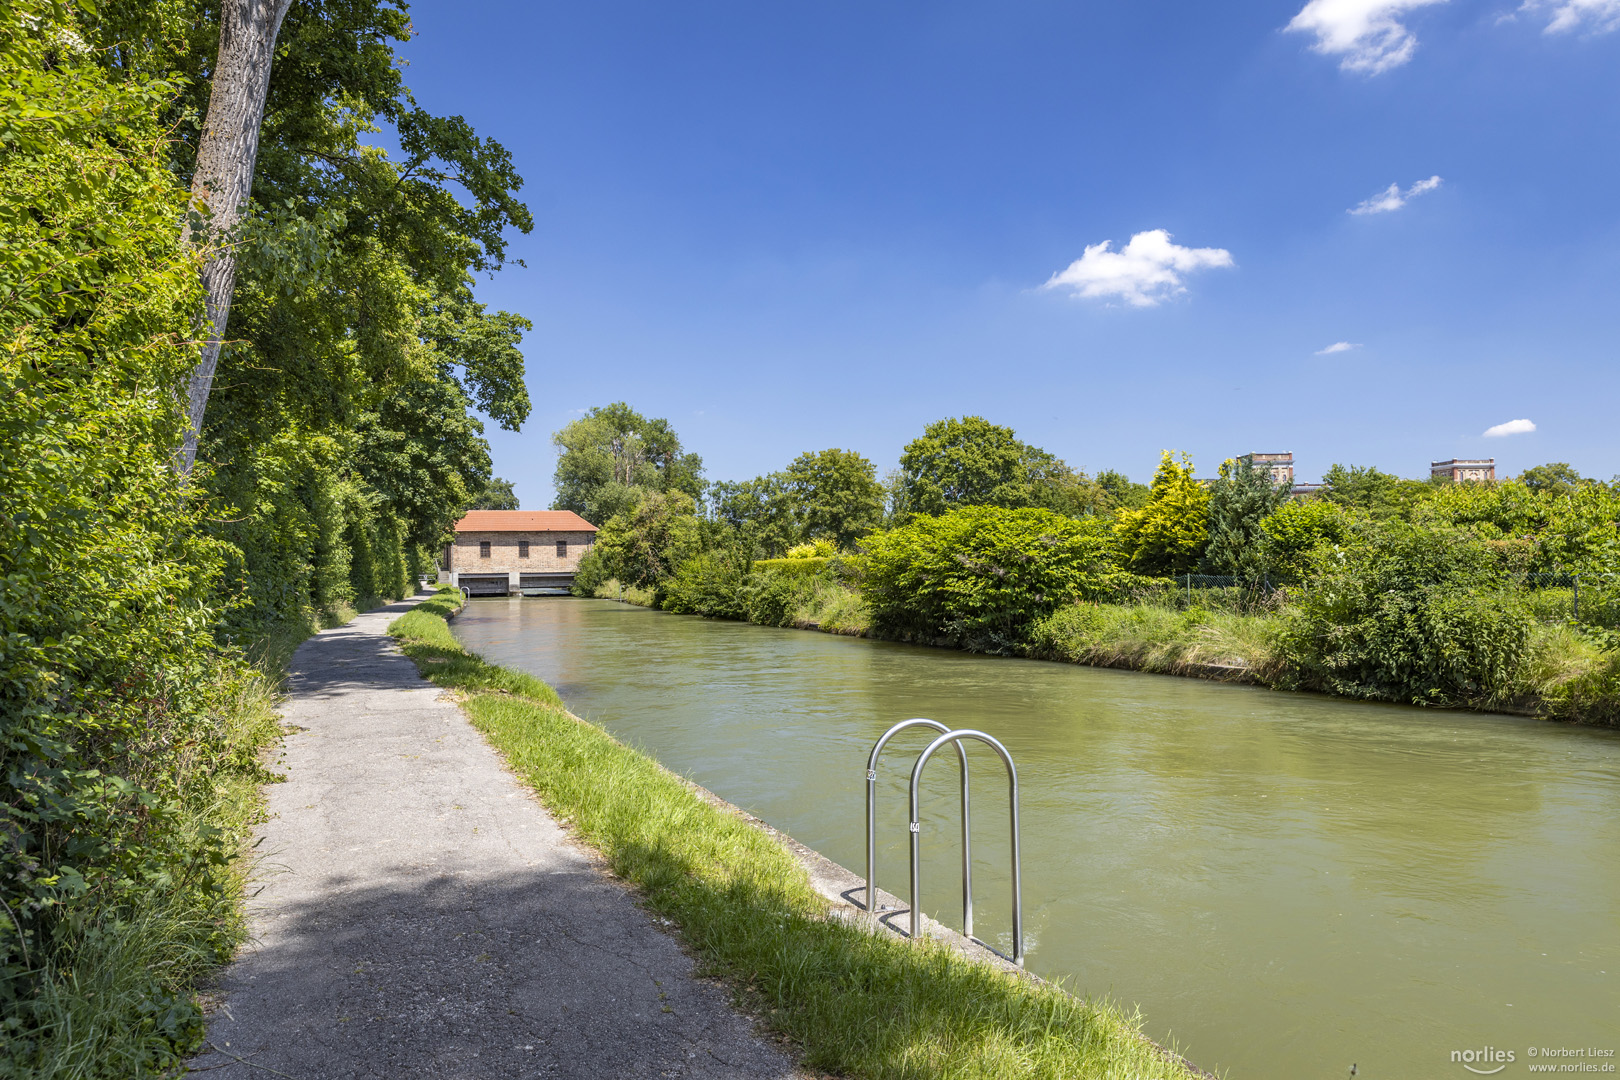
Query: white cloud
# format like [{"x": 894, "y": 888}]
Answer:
[
  {"x": 1512, "y": 427},
  {"x": 1368, "y": 34},
  {"x": 1337, "y": 347},
  {"x": 1393, "y": 198},
  {"x": 1145, "y": 271},
  {"x": 1599, "y": 16}
]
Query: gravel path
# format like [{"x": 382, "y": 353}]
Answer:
[{"x": 422, "y": 916}]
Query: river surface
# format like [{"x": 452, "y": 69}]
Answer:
[{"x": 1286, "y": 884}]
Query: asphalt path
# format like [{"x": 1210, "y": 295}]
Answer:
[{"x": 419, "y": 914}]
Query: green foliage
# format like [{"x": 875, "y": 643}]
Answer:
[
  {"x": 1295, "y": 530},
  {"x": 610, "y": 457},
  {"x": 972, "y": 462},
  {"x": 1409, "y": 613},
  {"x": 1121, "y": 492},
  {"x": 1156, "y": 637},
  {"x": 498, "y": 495},
  {"x": 978, "y": 576},
  {"x": 644, "y": 544},
  {"x": 1554, "y": 478},
  {"x": 795, "y": 566},
  {"x": 1168, "y": 534},
  {"x": 813, "y": 549},
  {"x": 1565, "y": 529},
  {"x": 836, "y": 496},
  {"x": 761, "y": 512},
  {"x": 709, "y": 584},
  {"x": 1373, "y": 493},
  {"x": 109, "y": 678},
  {"x": 1243, "y": 496}
]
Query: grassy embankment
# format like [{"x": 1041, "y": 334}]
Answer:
[
  {"x": 117, "y": 996},
  {"x": 857, "y": 1003},
  {"x": 829, "y": 606},
  {"x": 1565, "y": 676}
]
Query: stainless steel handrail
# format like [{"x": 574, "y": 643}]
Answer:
[
  {"x": 871, "y": 819},
  {"x": 916, "y": 832}
]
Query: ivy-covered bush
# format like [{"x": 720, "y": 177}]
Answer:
[
  {"x": 111, "y": 684},
  {"x": 979, "y": 576},
  {"x": 1410, "y": 613}
]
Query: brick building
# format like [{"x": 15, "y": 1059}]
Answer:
[
  {"x": 1460, "y": 469},
  {"x": 500, "y": 552},
  {"x": 1281, "y": 466}
]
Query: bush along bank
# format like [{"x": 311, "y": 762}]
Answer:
[
  {"x": 1417, "y": 612},
  {"x": 854, "y": 1002}
]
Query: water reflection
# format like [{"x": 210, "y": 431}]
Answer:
[{"x": 1285, "y": 883}]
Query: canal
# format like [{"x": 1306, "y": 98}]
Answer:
[{"x": 1286, "y": 884}]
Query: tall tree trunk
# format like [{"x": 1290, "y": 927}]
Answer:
[{"x": 224, "y": 176}]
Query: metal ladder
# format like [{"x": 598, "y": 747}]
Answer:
[{"x": 955, "y": 738}]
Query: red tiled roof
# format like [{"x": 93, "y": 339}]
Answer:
[{"x": 523, "y": 521}]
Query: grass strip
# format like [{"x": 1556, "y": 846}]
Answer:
[{"x": 855, "y": 1002}]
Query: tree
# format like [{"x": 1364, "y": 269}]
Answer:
[
  {"x": 1238, "y": 501},
  {"x": 223, "y": 176},
  {"x": 1378, "y": 494},
  {"x": 972, "y": 462},
  {"x": 1167, "y": 536},
  {"x": 1121, "y": 491},
  {"x": 835, "y": 495},
  {"x": 613, "y": 456},
  {"x": 643, "y": 545},
  {"x": 498, "y": 495},
  {"x": 1554, "y": 478},
  {"x": 760, "y": 512}
]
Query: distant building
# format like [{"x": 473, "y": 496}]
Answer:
[
  {"x": 1460, "y": 469},
  {"x": 1281, "y": 466},
  {"x": 1305, "y": 491},
  {"x": 500, "y": 552}
]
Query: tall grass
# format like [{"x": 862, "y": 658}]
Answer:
[
  {"x": 855, "y": 1002},
  {"x": 835, "y": 608},
  {"x": 114, "y": 988},
  {"x": 1151, "y": 637}
]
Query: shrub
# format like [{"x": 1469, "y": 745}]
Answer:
[
  {"x": 1409, "y": 613},
  {"x": 793, "y": 567},
  {"x": 822, "y": 548},
  {"x": 772, "y": 598},
  {"x": 978, "y": 576},
  {"x": 1296, "y": 529},
  {"x": 710, "y": 584}
]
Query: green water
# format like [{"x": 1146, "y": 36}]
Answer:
[{"x": 1284, "y": 883}]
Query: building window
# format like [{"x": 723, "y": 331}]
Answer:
[
  {"x": 523, "y": 549},
  {"x": 483, "y": 549},
  {"x": 562, "y": 549}
]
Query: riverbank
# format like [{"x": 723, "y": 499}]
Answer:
[
  {"x": 1568, "y": 678},
  {"x": 852, "y": 1001}
]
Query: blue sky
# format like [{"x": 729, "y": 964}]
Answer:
[{"x": 789, "y": 227}]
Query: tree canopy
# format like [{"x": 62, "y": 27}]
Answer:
[
  {"x": 972, "y": 462},
  {"x": 498, "y": 495},
  {"x": 612, "y": 457},
  {"x": 836, "y": 495}
]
